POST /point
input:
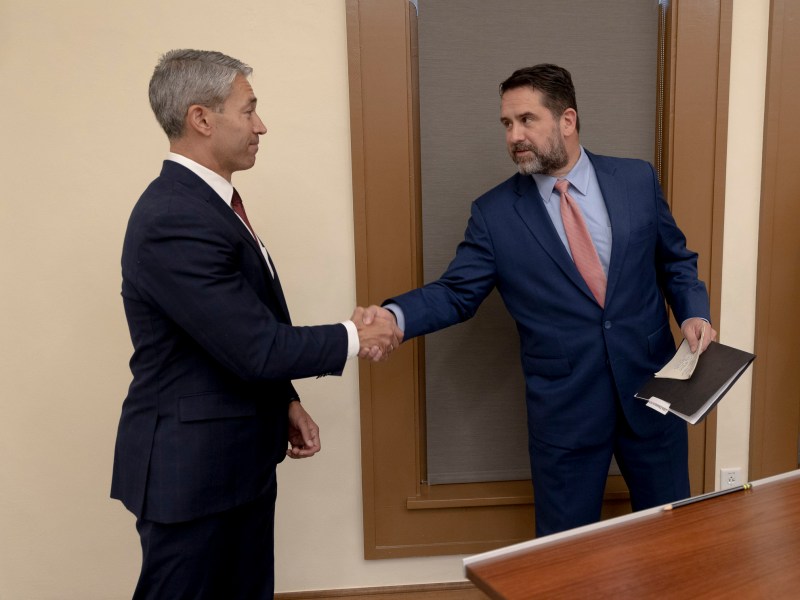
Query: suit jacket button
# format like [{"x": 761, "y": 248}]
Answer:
[{"x": 607, "y": 324}]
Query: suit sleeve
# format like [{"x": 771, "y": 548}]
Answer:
[
  {"x": 189, "y": 267},
  {"x": 676, "y": 265},
  {"x": 457, "y": 294}
]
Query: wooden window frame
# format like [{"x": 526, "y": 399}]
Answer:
[{"x": 403, "y": 516}]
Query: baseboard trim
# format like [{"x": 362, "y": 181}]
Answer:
[{"x": 432, "y": 591}]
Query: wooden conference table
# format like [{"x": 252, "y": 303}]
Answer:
[{"x": 741, "y": 545}]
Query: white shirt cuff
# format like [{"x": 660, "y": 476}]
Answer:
[{"x": 353, "y": 344}]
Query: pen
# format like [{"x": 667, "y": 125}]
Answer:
[{"x": 694, "y": 499}]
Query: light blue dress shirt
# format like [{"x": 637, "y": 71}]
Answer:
[{"x": 583, "y": 187}]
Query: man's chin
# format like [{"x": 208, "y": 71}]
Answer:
[
  {"x": 247, "y": 164},
  {"x": 535, "y": 167},
  {"x": 528, "y": 167}
]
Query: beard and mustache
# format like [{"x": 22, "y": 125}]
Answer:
[{"x": 545, "y": 161}]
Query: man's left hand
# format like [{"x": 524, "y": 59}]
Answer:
[
  {"x": 303, "y": 432},
  {"x": 692, "y": 330}
]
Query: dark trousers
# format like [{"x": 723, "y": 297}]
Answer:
[
  {"x": 228, "y": 555},
  {"x": 568, "y": 484}
]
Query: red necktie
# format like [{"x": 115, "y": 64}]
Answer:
[
  {"x": 580, "y": 244},
  {"x": 238, "y": 207}
]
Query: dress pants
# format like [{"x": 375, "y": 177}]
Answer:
[
  {"x": 227, "y": 555},
  {"x": 568, "y": 484}
]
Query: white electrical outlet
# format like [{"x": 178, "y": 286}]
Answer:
[{"x": 730, "y": 478}]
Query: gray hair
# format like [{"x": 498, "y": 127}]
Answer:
[{"x": 186, "y": 77}]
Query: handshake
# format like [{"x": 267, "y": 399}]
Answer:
[{"x": 378, "y": 334}]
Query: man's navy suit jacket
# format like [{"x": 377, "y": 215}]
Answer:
[
  {"x": 205, "y": 420},
  {"x": 577, "y": 357}
]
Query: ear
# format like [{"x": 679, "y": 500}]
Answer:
[
  {"x": 197, "y": 119},
  {"x": 569, "y": 121}
]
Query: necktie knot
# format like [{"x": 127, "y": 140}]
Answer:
[
  {"x": 236, "y": 201},
  {"x": 562, "y": 185}
]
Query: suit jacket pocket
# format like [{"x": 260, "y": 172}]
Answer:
[
  {"x": 661, "y": 342},
  {"x": 214, "y": 405},
  {"x": 547, "y": 366}
]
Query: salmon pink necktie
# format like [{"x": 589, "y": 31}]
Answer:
[{"x": 580, "y": 244}]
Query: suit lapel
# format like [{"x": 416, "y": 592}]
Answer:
[
  {"x": 530, "y": 207},
  {"x": 200, "y": 188},
  {"x": 273, "y": 281},
  {"x": 278, "y": 289},
  {"x": 615, "y": 196}
]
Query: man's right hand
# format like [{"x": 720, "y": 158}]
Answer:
[{"x": 378, "y": 334}]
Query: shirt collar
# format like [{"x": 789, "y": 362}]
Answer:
[
  {"x": 578, "y": 178},
  {"x": 215, "y": 181}
]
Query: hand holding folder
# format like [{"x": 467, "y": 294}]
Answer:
[
  {"x": 705, "y": 379},
  {"x": 684, "y": 362}
]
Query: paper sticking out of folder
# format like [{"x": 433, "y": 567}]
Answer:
[{"x": 683, "y": 363}]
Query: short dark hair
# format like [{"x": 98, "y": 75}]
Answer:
[{"x": 554, "y": 82}]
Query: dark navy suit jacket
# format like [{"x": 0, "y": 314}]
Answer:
[
  {"x": 577, "y": 357},
  {"x": 205, "y": 420}
]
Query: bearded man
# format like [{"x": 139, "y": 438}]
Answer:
[{"x": 586, "y": 256}]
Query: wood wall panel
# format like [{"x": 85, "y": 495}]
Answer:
[
  {"x": 775, "y": 418},
  {"x": 694, "y": 153}
]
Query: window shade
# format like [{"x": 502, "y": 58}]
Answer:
[{"x": 475, "y": 399}]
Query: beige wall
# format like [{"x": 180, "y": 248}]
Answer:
[
  {"x": 742, "y": 193},
  {"x": 79, "y": 145}
]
